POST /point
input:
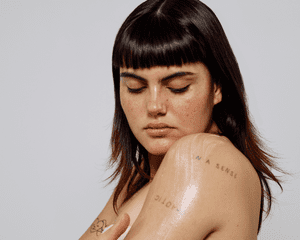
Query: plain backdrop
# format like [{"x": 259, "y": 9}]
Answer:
[{"x": 57, "y": 104}]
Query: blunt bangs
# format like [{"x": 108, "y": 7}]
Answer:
[{"x": 156, "y": 41}]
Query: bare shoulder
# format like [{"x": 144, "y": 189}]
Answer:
[
  {"x": 200, "y": 142},
  {"x": 205, "y": 188},
  {"x": 215, "y": 160},
  {"x": 217, "y": 152}
]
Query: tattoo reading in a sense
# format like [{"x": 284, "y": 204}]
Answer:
[
  {"x": 218, "y": 166},
  {"x": 168, "y": 204}
]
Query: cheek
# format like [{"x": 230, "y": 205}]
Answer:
[
  {"x": 131, "y": 107},
  {"x": 127, "y": 107},
  {"x": 192, "y": 106},
  {"x": 125, "y": 103},
  {"x": 194, "y": 110}
]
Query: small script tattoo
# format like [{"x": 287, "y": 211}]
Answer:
[
  {"x": 220, "y": 167},
  {"x": 226, "y": 170},
  {"x": 98, "y": 226},
  {"x": 167, "y": 204}
]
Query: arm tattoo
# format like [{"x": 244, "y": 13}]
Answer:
[
  {"x": 167, "y": 203},
  {"x": 98, "y": 226},
  {"x": 224, "y": 169}
]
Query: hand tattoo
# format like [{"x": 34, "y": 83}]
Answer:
[{"x": 98, "y": 226}]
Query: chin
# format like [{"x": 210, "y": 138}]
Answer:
[{"x": 159, "y": 146}]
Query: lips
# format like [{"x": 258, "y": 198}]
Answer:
[
  {"x": 157, "y": 126},
  {"x": 158, "y": 129}
]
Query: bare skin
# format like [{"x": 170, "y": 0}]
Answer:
[
  {"x": 131, "y": 208},
  {"x": 222, "y": 204},
  {"x": 204, "y": 189}
]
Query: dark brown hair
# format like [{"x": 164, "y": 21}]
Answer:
[{"x": 176, "y": 32}]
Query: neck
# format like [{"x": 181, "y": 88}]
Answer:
[
  {"x": 213, "y": 129},
  {"x": 154, "y": 162}
]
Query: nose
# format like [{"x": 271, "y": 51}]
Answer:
[{"x": 156, "y": 105}]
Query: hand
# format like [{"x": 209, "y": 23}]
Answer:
[{"x": 118, "y": 229}]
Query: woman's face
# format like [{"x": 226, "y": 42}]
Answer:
[{"x": 163, "y": 104}]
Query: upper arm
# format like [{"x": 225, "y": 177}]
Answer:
[
  {"x": 104, "y": 219},
  {"x": 204, "y": 185}
]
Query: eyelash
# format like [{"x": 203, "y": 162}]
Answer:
[
  {"x": 174, "y": 90},
  {"x": 179, "y": 90},
  {"x": 135, "y": 90}
]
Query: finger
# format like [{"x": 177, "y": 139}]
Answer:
[{"x": 121, "y": 225}]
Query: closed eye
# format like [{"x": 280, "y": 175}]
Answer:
[
  {"x": 135, "y": 90},
  {"x": 179, "y": 90},
  {"x": 174, "y": 90}
]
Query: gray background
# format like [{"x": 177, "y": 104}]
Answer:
[{"x": 56, "y": 107}]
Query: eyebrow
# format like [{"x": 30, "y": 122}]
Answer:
[{"x": 167, "y": 78}]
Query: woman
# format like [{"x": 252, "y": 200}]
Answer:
[{"x": 191, "y": 163}]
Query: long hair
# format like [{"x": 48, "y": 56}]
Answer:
[{"x": 176, "y": 32}]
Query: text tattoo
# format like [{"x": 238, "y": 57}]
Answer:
[{"x": 220, "y": 167}]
